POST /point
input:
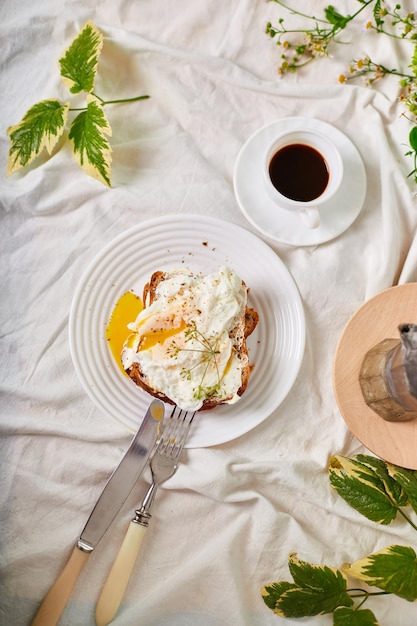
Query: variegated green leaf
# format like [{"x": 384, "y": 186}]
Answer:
[
  {"x": 320, "y": 589},
  {"x": 316, "y": 590},
  {"x": 78, "y": 64},
  {"x": 362, "y": 489},
  {"x": 41, "y": 127},
  {"x": 272, "y": 592},
  {"x": 393, "y": 569},
  {"x": 392, "y": 487},
  {"x": 305, "y": 602},
  {"x": 347, "y": 616},
  {"x": 91, "y": 148},
  {"x": 408, "y": 481}
]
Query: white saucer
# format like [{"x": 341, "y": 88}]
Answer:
[{"x": 279, "y": 224}]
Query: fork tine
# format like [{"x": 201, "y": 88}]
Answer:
[
  {"x": 168, "y": 432},
  {"x": 187, "y": 420},
  {"x": 175, "y": 433}
]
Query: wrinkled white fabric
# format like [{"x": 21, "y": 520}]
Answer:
[{"x": 224, "y": 525}]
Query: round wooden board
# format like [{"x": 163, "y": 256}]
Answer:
[{"x": 376, "y": 320}]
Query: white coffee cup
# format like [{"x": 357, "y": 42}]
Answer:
[{"x": 303, "y": 169}]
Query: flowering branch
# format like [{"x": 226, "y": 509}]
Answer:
[
  {"x": 316, "y": 40},
  {"x": 302, "y": 46}
]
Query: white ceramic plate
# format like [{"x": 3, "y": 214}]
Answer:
[
  {"x": 202, "y": 244},
  {"x": 284, "y": 226}
]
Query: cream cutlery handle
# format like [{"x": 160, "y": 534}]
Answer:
[
  {"x": 58, "y": 595},
  {"x": 116, "y": 583}
]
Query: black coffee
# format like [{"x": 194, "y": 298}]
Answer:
[{"x": 299, "y": 172}]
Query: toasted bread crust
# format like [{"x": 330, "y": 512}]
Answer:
[{"x": 250, "y": 322}]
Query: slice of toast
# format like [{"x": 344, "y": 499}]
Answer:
[{"x": 182, "y": 333}]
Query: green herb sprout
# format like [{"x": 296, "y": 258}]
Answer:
[{"x": 208, "y": 351}]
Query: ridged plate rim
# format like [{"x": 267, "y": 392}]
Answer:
[{"x": 200, "y": 243}]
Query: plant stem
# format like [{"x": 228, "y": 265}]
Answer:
[
  {"x": 352, "y": 17},
  {"x": 382, "y": 31},
  {"x": 295, "y": 12},
  {"x": 407, "y": 519},
  {"x": 395, "y": 72},
  {"x": 104, "y": 102},
  {"x": 362, "y": 592},
  {"x": 335, "y": 28},
  {"x": 124, "y": 100}
]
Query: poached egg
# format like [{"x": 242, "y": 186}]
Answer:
[{"x": 186, "y": 342}]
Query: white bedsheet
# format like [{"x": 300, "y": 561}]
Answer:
[{"x": 224, "y": 525}]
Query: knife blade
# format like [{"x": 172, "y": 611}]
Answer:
[
  {"x": 124, "y": 477},
  {"x": 114, "y": 494}
]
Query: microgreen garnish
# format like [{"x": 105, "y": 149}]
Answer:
[{"x": 208, "y": 350}]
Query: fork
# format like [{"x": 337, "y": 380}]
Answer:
[{"x": 163, "y": 465}]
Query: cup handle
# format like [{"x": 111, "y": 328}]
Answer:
[{"x": 310, "y": 216}]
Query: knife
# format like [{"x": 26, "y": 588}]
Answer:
[{"x": 114, "y": 494}]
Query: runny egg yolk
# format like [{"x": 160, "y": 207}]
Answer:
[
  {"x": 126, "y": 309},
  {"x": 151, "y": 339}
]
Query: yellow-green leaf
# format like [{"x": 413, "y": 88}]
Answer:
[
  {"x": 272, "y": 592},
  {"x": 362, "y": 488},
  {"x": 91, "y": 148},
  {"x": 78, "y": 64},
  {"x": 393, "y": 569},
  {"x": 393, "y": 488},
  {"x": 408, "y": 481},
  {"x": 347, "y": 616},
  {"x": 317, "y": 589},
  {"x": 41, "y": 127}
]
